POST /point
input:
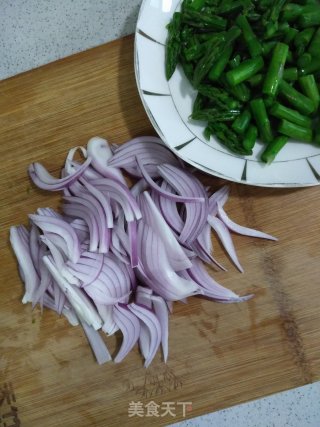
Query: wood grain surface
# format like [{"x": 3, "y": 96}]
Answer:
[{"x": 219, "y": 355}]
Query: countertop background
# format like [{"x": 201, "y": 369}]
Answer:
[{"x": 36, "y": 32}]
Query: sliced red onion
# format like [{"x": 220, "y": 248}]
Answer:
[
  {"x": 81, "y": 229},
  {"x": 239, "y": 228},
  {"x": 80, "y": 211},
  {"x": 70, "y": 157},
  {"x": 22, "y": 253},
  {"x": 186, "y": 184},
  {"x": 152, "y": 216},
  {"x": 156, "y": 270},
  {"x": 100, "y": 152},
  {"x": 88, "y": 174},
  {"x": 220, "y": 196},
  {"x": 205, "y": 256},
  {"x": 88, "y": 268},
  {"x": 213, "y": 289},
  {"x": 42, "y": 179},
  {"x": 97, "y": 344},
  {"x": 132, "y": 233},
  {"x": 143, "y": 296},
  {"x": 148, "y": 318},
  {"x": 155, "y": 187},
  {"x": 129, "y": 325},
  {"x": 121, "y": 194},
  {"x": 106, "y": 313},
  {"x": 62, "y": 229},
  {"x": 45, "y": 282},
  {"x": 139, "y": 187},
  {"x": 96, "y": 214},
  {"x": 34, "y": 247},
  {"x": 104, "y": 201},
  {"x": 169, "y": 210},
  {"x": 160, "y": 245},
  {"x": 112, "y": 285},
  {"x": 151, "y": 154},
  {"x": 161, "y": 310},
  {"x": 80, "y": 303},
  {"x": 226, "y": 239}
]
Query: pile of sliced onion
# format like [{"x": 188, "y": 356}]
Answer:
[{"x": 117, "y": 258}]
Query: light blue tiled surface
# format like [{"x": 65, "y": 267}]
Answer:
[
  {"x": 36, "y": 32},
  {"x": 295, "y": 408}
]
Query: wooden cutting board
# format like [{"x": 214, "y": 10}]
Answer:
[{"x": 220, "y": 355}]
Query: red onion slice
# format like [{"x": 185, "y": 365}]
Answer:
[
  {"x": 156, "y": 269},
  {"x": 104, "y": 201},
  {"x": 186, "y": 184},
  {"x": 100, "y": 152},
  {"x": 220, "y": 196},
  {"x": 226, "y": 239},
  {"x": 151, "y": 154},
  {"x": 42, "y": 179},
  {"x": 23, "y": 256},
  {"x": 129, "y": 325},
  {"x": 148, "y": 318},
  {"x": 121, "y": 194},
  {"x": 152, "y": 216},
  {"x": 106, "y": 313},
  {"x": 239, "y": 228},
  {"x": 161, "y": 310},
  {"x": 155, "y": 187},
  {"x": 97, "y": 344},
  {"x": 212, "y": 288},
  {"x": 62, "y": 229},
  {"x": 80, "y": 303}
]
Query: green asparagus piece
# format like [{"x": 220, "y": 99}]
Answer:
[
  {"x": 215, "y": 115},
  {"x": 282, "y": 112},
  {"x": 290, "y": 35},
  {"x": 298, "y": 100},
  {"x": 312, "y": 67},
  {"x": 230, "y": 6},
  {"x": 310, "y": 16},
  {"x": 245, "y": 70},
  {"x": 268, "y": 47},
  {"x": 197, "y": 4},
  {"x": 203, "y": 21},
  {"x": 309, "y": 87},
  {"x": 250, "y": 38},
  {"x": 304, "y": 60},
  {"x": 173, "y": 45},
  {"x": 250, "y": 138},
  {"x": 258, "y": 76},
  {"x": 273, "y": 149},
  {"x": 242, "y": 122},
  {"x": 241, "y": 91},
  {"x": 227, "y": 137},
  {"x": 291, "y": 12},
  {"x": 314, "y": 47},
  {"x": 219, "y": 97},
  {"x": 256, "y": 80},
  {"x": 275, "y": 70},
  {"x": 207, "y": 61},
  {"x": 221, "y": 64},
  {"x": 302, "y": 40},
  {"x": 259, "y": 113},
  {"x": 290, "y": 74},
  {"x": 294, "y": 131}
]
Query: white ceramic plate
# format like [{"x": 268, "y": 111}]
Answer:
[{"x": 169, "y": 104}]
